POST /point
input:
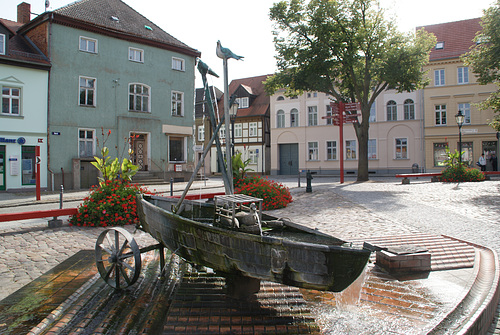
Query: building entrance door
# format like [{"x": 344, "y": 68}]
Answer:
[
  {"x": 289, "y": 159},
  {"x": 140, "y": 155}
]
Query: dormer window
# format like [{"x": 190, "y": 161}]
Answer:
[
  {"x": 243, "y": 102},
  {"x": 2, "y": 44},
  {"x": 439, "y": 45}
]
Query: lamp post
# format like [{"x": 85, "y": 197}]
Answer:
[
  {"x": 233, "y": 110},
  {"x": 460, "y": 118}
]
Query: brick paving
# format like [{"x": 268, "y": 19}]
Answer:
[{"x": 352, "y": 211}]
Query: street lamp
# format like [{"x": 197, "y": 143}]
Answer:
[
  {"x": 233, "y": 110},
  {"x": 460, "y": 118}
]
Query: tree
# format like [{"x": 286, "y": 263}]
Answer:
[
  {"x": 484, "y": 58},
  {"x": 348, "y": 50}
]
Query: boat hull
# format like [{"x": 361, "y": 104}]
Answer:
[{"x": 293, "y": 255}]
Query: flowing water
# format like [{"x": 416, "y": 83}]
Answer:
[{"x": 374, "y": 305}]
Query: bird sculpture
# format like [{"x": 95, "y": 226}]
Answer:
[
  {"x": 204, "y": 69},
  {"x": 225, "y": 53}
]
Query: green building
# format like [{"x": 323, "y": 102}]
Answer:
[{"x": 117, "y": 80}]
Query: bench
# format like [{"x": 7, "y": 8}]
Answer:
[
  {"x": 434, "y": 175},
  {"x": 405, "y": 176},
  {"x": 40, "y": 214}
]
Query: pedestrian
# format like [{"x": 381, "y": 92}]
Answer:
[
  {"x": 482, "y": 162},
  {"x": 494, "y": 162}
]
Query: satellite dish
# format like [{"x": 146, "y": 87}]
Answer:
[{"x": 47, "y": 4}]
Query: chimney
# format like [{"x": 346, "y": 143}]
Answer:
[{"x": 23, "y": 13}]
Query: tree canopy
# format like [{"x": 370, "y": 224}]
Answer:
[
  {"x": 348, "y": 50},
  {"x": 484, "y": 58}
]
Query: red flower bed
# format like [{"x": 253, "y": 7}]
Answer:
[
  {"x": 110, "y": 204},
  {"x": 274, "y": 194}
]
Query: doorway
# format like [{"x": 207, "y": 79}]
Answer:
[
  {"x": 289, "y": 159},
  {"x": 140, "y": 148}
]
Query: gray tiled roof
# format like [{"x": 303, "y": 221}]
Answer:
[{"x": 101, "y": 13}]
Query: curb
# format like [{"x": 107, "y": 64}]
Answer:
[{"x": 475, "y": 313}]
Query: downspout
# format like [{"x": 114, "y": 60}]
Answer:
[{"x": 48, "y": 105}]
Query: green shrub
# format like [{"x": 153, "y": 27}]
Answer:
[{"x": 275, "y": 195}]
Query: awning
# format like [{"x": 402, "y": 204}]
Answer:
[{"x": 176, "y": 130}]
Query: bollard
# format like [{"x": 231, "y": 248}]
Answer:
[
  {"x": 171, "y": 187},
  {"x": 55, "y": 222},
  {"x": 309, "y": 179},
  {"x": 61, "y": 197},
  {"x": 299, "y": 178}
]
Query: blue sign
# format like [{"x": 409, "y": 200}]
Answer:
[{"x": 21, "y": 140}]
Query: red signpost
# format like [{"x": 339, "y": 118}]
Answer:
[
  {"x": 37, "y": 172},
  {"x": 339, "y": 119}
]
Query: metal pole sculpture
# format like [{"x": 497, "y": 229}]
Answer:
[{"x": 225, "y": 54}]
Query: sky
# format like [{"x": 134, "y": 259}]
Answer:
[{"x": 245, "y": 28}]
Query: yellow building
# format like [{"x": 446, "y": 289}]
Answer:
[{"x": 453, "y": 87}]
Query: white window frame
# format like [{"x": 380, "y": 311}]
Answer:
[
  {"x": 463, "y": 75},
  {"x": 87, "y": 40},
  {"x": 401, "y": 148},
  {"x": 392, "y": 110},
  {"x": 135, "y": 55},
  {"x": 238, "y": 130},
  {"x": 85, "y": 140},
  {"x": 253, "y": 157},
  {"x": 331, "y": 150},
  {"x": 2, "y": 44},
  {"x": 280, "y": 119},
  {"x": 440, "y": 114},
  {"x": 439, "y": 77},
  {"x": 294, "y": 118},
  {"x": 372, "y": 149},
  {"x": 11, "y": 97},
  {"x": 201, "y": 133},
  {"x": 312, "y": 151},
  {"x": 312, "y": 115},
  {"x": 351, "y": 152},
  {"x": 373, "y": 113},
  {"x": 252, "y": 129},
  {"x": 409, "y": 109},
  {"x": 87, "y": 89},
  {"x": 243, "y": 102},
  {"x": 222, "y": 132},
  {"x": 178, "y": 64},
  {"x": 465, "y": 108},
  {"x": 329, "y": 121},
  {"x": 177, "y": 103},
  {"x": 141, "y": 96}
]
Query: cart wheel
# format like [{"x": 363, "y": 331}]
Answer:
[{"x": 118, "y": 258}]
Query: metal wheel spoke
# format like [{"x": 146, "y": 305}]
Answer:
[
  {"x": 110, "y": 242},
  {"x": 117, "y": 276},
  {"x": 128, "y": 266},
  {"x": 124, "y": 274},
  {"x": 118, "y": 256},
  {"x": 108, "y": 273},
  {"x": 124, "y": 245},
  {"x": 105, "y": 249}
]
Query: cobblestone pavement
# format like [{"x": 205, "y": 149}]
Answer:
[{"x": 469, "y": 211}]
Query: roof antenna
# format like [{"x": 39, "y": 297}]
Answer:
[{"x": 47, "y": 4}]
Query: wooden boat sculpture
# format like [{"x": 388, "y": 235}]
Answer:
[
  {"x": 230, "y": 235},
  {"x": 285, "y": 252}
]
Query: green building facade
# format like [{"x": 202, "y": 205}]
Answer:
[{"x": 117, "y": 80}]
